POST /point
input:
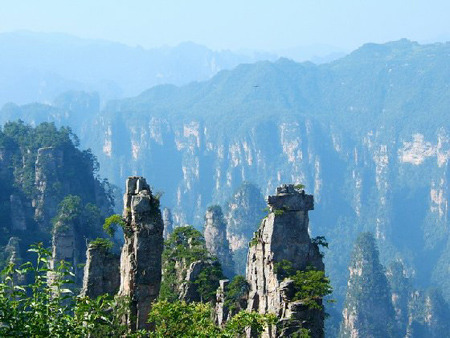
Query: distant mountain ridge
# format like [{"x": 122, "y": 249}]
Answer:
[{"x": 36, "y": 67}]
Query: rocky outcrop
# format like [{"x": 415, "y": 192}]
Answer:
[
  {"x": 168, "y": 222},
  {"x": 221, "y": 310},
  {"x": 101, "y": 272},
  {"x": 188, "y": 290},
  {"x": 64, "y": 248},
  {"x": 140, "y": 261},
  {"x": 18, "y": 213},
  {"x": 368, "y": 310},
  {"x": 429, "y": 314},
  {"x": 49, "y": 161},
  {"x": 283, "y": 236},
  {"x": 215, "y": 234}
]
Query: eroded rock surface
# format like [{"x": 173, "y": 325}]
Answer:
[
  {"x": 140, "y": 262},
  {"x": 101, "y": 272},
  {"x": 216, "y": 239},
  {"x": 283, "y": 235}
]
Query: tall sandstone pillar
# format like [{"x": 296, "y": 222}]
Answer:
[
  {"x": 140, "y": 262},
  {"x": 283, "y": 235}
]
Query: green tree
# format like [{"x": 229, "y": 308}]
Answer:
[
  {"x": 181, "y": 319},
  {"x": 185, "y": 246}
]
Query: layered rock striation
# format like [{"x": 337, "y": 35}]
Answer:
[
  {"x": 283, "y": 237},
  {"x": 140, "y": 261}
]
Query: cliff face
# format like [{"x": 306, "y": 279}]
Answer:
[
  {"x": 101, "y": 272},
  {"x": 215, "y": 234},
  {"x": 243, "y": 213},
  {"x": 428, "y": 315},
  {"x": 368, "y": 310},
  {"x": 140, "y": 261},
  {"x": 283, "y": 236},
  {"x": 49, "y": 162},
  {"x": 168, "y": 222},
  {"x": 39, "y": 168}
]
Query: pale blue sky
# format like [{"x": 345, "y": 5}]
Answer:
[{"x": 234, "y": 24}]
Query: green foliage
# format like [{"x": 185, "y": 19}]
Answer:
[
  {"x": 101, "y": 243},
  {"x": 69, "y": 209},
  {"x": 185, "y": 246},
  {"x": 299, "y": 186},
  {"x": 47, "y": 308},
  {"x": 320, "y": 241},
  {"x": 283, "y": 269},
  {"x": 111, "y": 224},
  {"x": 278, "y": 212},
  {"x": 207, "y": 281},
  {"x": 254, "y": 240},
  {"x": 181, "y": 319},
  {"x": 310, "y": 286},
  {"x": 235, "y": 292}
]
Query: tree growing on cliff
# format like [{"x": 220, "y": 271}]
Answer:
[{"x": 185, "y": 246}]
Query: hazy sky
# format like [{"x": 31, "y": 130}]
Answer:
[{"x": 234, "y": 24}]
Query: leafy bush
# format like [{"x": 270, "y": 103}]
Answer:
[
  {"x": 310, "y": 286},
  {"x": 185, "y": 246},
  {"x": 111, "y": 224},
  {"x": 181, "y": 319},
  {"x": 102, "y": 243},
  {"x": 235, "y": 292},
  {"x": 46, "y": 308}
]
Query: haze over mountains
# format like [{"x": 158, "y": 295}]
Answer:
[
  {"x": 36, "y": 67},
  {"x": 368, "y": 135}
]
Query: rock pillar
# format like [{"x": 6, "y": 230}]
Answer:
[
  {"x": 283, "y": 235},
  {"x": 216, "y": 239},
  {"x": 101, "y": 272},
  {"x": 140, "y": 261}
]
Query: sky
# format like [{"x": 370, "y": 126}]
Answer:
[{"x": 234, "y": 24}]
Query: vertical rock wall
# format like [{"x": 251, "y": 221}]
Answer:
[
  {"x": 48, "y": 163},
  {"x": 283, "y": 235},
  {"x": 216, "y": 239},
  {"x": 168, "y": 222},
  {"x": 140, "y": 262},
  {"x": 101, "y": 272}
]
